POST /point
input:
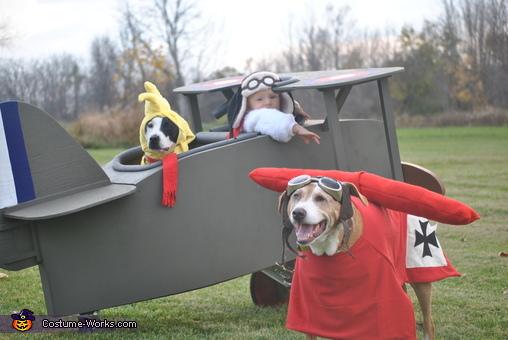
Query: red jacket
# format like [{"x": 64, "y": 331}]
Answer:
[{"x": 338, "y": 297}]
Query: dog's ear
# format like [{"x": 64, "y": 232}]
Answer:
[
  {"x": 354, "y": 191},
  {"x": 281, "y": 202}
]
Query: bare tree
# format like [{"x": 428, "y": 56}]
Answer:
[
  {"x": 54, "y": 85},
  {"x": 321, "y": 44},
  {"x": 128, "y": 81},
  {"x": 172, "y": 30},
  {"x": 20, "y": 81},
  {"x": 179, "y": 27},
  {"x": 139, "y": 60},
  {"x": 475, "y": 42},
  {"x": 5, "y": 34},
  {"x": 103, "y": 69},
  {"x": 496, "y": 43},
  {"x": 449, "y": 39},
  {"x": 174, "y": 40},
  {"x": 474, "y": 20},
  {"x": 61, "y": 86},
  {"x": 340, "y": 27}
]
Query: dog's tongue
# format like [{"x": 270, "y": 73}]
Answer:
[{"x": 305, "y": 233}]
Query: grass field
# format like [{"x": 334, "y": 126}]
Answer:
[{"x": 472, "y": 162}]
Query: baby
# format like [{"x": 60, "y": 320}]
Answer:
[{"x": 267, "y": 112}]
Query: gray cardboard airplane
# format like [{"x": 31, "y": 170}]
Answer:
[{"x": 101, "y": 237}]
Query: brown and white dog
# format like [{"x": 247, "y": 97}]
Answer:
[{"x": 331, "y": 224}]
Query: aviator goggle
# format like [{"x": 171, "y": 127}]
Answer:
[
  {"x": 254, "y": 83},
  {"x": 331, "y": 186}
]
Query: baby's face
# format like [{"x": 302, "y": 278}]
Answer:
[{"x": 265, "y": 99}]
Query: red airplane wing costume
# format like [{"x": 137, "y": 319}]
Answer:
[{"x": 389, "y": 193}]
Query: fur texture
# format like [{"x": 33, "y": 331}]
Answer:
[{"x": 271, "y": 122}]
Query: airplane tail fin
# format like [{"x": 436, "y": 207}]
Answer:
[
  {"x": 44, "y": 173},
  {"x": 42, "y": 167}
]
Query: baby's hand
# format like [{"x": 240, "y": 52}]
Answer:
[
  {"x": 305, "y": 134},
  {"x": 310, "y": 136},
  {"x": 299, "y": 111}
]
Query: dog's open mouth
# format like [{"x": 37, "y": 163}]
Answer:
[{"x": 306, "y": 233}]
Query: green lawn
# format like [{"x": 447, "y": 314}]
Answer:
[{"x": 472, "y": 162}]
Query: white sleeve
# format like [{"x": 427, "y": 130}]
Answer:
[{"x": 271, "y": 122}]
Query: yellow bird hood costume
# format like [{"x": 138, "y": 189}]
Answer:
[{"x": 157, "y": 106}]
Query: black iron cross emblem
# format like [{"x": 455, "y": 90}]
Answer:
[{"x": 425, "y": 239}]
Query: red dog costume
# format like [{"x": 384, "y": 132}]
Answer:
[
  {"x": 362, "y": 298},
  {"x": 338, "y": 297}
]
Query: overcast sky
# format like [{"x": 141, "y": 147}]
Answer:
[{"x": 46, "y": 27}]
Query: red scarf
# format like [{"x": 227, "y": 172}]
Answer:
[{"x": 169, "y": 178}]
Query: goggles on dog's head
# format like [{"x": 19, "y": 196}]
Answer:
[
  {"x": 340, "y": 192},
  {"x": 329, "y": 185}
]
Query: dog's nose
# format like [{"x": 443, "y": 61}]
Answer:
[
  {"x": 154, "y": 138},
  {"x": 299, "y": 214}
]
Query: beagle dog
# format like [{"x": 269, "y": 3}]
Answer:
[{"x": 349, "y": 278}]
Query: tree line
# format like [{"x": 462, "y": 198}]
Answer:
[{"x": 455, "y": 62}]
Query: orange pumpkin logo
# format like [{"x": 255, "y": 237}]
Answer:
[
  {"x": 22, "y": 321},
  {"x": 22, "y": 325}
]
